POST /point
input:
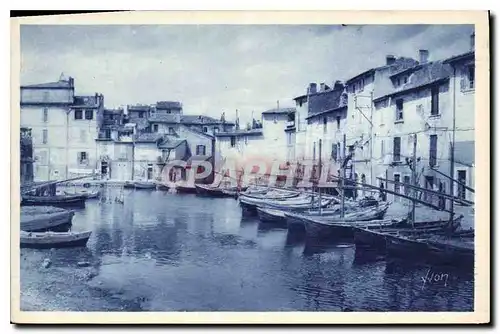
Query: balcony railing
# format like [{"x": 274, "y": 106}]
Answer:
[{"x": 290, "y": 124}]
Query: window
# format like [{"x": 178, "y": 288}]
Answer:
[
  {"x": 171, "y": 130},
  {"x": 169, "y": 111},
  {"x": 45, "y": 114},
  {"x": 233, "y": 141},
  {"x": 398, "y": 82},
  {"x": 334, "y": 152},
  {"x": 89, "y": 114},
  {"x": 155, "y": 127},
  {"x": 325, "y": 124},
  {"x": 397, "y": 184},
  {"x": 406, "y": 180},
  {"x": 338, "y": 122},
  {"x": 107, "y": 133},
  {"x": 429, "y": 184},
  {"x": 200, "y": 149},
  {"x": 45, "y": 136},
  {"x": 141, "y": 114},
  {"x": 399, "y": 109},
  {"x": 405, "y": 79},
  {"x": 471, "y": 76},
  {"x": 382, "y": 148},
  {"x": 433, "y": 150},
  {"x": 216, "y": 129},
  {"x": 205, "y": 129},
  {"x": 397, "y": 149},
  {"x": 82, "y": 158},
  {"x": 78, "y": 114},
  {"x": 435, "y": 100},
  {"x": 462, "y": 179}
]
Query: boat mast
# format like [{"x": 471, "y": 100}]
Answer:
[
  {"x": 319, "y": 176},
  {"x": 342, "y": 169},
  {"x": 452, "y": 150},
  {"x": 414, "y": 177},
  {"x": 313, "y": 165}
]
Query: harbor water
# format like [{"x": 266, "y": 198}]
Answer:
[{"x": 160, "y": 251}]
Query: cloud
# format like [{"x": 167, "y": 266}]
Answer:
[{"x": 217, "y": 68}]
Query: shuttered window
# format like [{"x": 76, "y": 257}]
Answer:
[
  {"x": 435, "y": 101},
  {"x": 397, "y": 149},
  {"x": 433, "y": 150}
]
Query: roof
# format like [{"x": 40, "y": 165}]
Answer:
[
  {"x": 279, "y": 111},
  {"x": 201, "y": 119},
  {"x": 90, "y": 101},
  {"x": 337, "y": 109},
  {"x": 163, "y": 118},
  {"x": 170, "y": 143},
  {"x": 427, "y": 74},
  {"x": 464, "y": 152},
  {"x": 206, "y": 134},
  {"x": 236, "y": 133},
  {"x": 168, "y": 105},
  {"x": 138, "y": 107},
  {"x": 113, "y": 111},
  {"x": 465, "y": 56},
  {"x": 400, "y": 64},
  {"x": 61, "y": 84},
  {"x": 148, "y": 138}
]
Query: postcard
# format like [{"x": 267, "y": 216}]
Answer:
[{"x": 250, "y": 168}]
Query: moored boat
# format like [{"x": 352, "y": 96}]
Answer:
[
  {"x": 88, "y": 194},
  {"x": 337, "y": 226},
  {"x": 373, "y": 237},
  {"x": 129, "y": 185},
  {"x": 149, "y": 185},
  {"x": 185, "y": 189},
  {"x": 271, "y": 215},
  {"x": 54, "y": 239},
  {"x": 58, "y": 200},
  {"x": 162, "y": 186},
  {"x": 45, "y": 219}
]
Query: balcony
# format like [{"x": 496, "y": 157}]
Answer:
[{"x": 290, "y": 124}]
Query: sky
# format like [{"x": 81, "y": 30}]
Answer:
[{"x": 220, "y": 68}]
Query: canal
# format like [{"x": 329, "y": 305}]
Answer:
[{"x": 160, "y": 251}]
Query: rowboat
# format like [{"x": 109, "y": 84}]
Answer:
[
  {"x": 58, "y": 200},
  {"x": 162, "y": 186},
  {"x": 211, "y": 191},
  {"x": 185, "y": 189},
  {"x": 86, "y": 193},
  {"x": 45, "y": 219},
  {"x": 54, "y": 239},
  {"x": 129, "y": 185},
  {"x": 271, "y": 215},
  {"x": 337, "y": 226},
  {"x": 251, "y": 202},
  {"x": 145, "y": 185},
  {"x": 373, "y": 237}
]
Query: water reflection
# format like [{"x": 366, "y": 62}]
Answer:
[{"x": 159, "y": 251}]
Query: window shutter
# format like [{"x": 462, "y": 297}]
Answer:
[{"x": 463, "y": 80}]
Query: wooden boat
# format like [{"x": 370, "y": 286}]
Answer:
[
  {"x": 59, "y": 201},
  {"x": 48, "y": 219},
  {"x": 54, "y": 239},
  {"x": 455, "y": 250},
  {"x": 149, "y": 185},
  {"x": 211, "y": 191},
  {"x": 185, "y": 189},
  {"x": 252, "y": 202},
  {"x": 88, "y": 194},
  {"x": 271, "y": 215},
  {"x": 162, "y": 186},
  {"x": 373, "y": 237},
  {"x": 129, "y": 185},
  {"x": 335, "y": 226}
]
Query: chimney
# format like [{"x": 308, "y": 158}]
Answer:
[
  {"x": 338, "y": 85},
  {"x": 423, "y": 56},
  {"x": 390, "y": 59},
  {"x": 322, "y": 87},
  {"x": 472, "y": 41},
  {"x": 71, "y": 82},
  {"x": 312, "y": 88}
]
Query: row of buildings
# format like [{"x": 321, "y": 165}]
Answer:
[{"x": 380, "y": 112}]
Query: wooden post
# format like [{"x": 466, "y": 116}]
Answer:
[
  {"x": 342, "y": 207},
  {"x": 414, "y": 178}
]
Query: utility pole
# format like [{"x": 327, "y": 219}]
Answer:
[
  {"x": 342, "y": 169},
  {"x": 414, "y": 178}
]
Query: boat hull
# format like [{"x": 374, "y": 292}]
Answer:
[
  {"x": 145, "y": 185},
  {"x": 208, "y": 191},
  {"x": 294, "y": 224},
  {"x": 76, "y": 201},
  {"x": 52, "y": 241},
  {"x": 185, "y": 190},
  {"x": 270, "y": 216}
]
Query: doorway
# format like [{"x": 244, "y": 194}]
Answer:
[
  {"x": 104, "y": 169},
  {"x": 429, "y": 184},
  {"x": 462, "y": 179}
]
